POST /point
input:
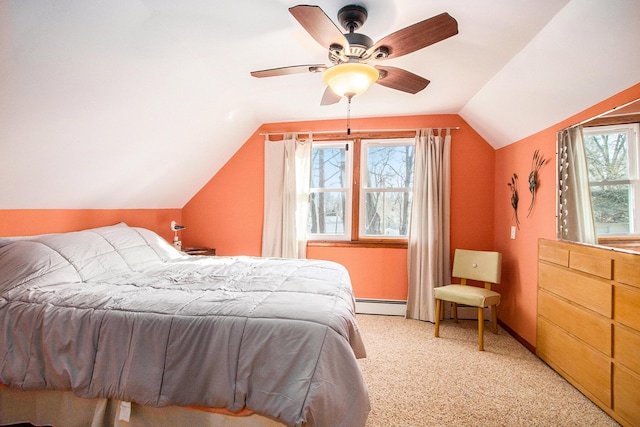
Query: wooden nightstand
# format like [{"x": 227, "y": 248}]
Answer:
[{"x": 200, "y": 251}]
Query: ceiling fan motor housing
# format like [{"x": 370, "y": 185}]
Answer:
[
  {"x": 358, "y": 45},
  {"x": 352, "y": 17}
]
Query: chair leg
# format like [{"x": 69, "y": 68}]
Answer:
[
  {"x": 494, "y": 319},
  {"x": 436, "y": 331},
  {"x": 454, "y": 307},
  {"x": 480, "y": 329}
]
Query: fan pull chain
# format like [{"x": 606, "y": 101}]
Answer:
[{"x": 349, "y": 115}]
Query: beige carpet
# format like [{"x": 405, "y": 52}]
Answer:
[{"x": 417, "y": 380}]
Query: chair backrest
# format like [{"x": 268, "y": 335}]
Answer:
[{"x": 483, "y": 266}]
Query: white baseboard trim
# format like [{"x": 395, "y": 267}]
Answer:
[{"x": 385, "y": 307}]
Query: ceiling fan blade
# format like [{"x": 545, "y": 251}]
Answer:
[
  {"x": 417, "y": 36},
  {"x": 319, "y": 26},
  {"x": 330, "y": 97},
  {"x": 399, "y": 79},
  {"x": 293, "y": 69}
]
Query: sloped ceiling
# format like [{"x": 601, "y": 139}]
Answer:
[{"x": 138, "y": 103}]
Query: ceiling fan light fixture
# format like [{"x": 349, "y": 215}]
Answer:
[{"x": 351, "y": 78}]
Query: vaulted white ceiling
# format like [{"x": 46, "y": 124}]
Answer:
[{"x": 138, "y": 103}]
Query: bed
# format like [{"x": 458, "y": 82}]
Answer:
[{"x": 115, "y": 316}]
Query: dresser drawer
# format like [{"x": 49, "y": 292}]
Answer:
[
  {"x": 585, "y": 366},
  {"x": 593, "y": 329},
  {"x": 626, "y": 389},
  {"x": 627, "y": 302},
  {"x": 627, "y": 348},
  {"x": 553, "y": 254},
  {"x": 628, "y": 273},
  {"x": 588, "y": 291},
  {"x": 591, "y": 263}
]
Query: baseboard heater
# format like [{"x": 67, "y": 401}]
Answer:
[
  {"x": 381, "y": 306},
  {"x": 399, "y": 308}
]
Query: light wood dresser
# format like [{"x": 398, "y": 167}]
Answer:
[{"x": 589, "y": 322}]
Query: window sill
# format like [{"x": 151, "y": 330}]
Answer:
[
  {"x": 628, "y": 242},
  {"x": 369, "y": 243}
]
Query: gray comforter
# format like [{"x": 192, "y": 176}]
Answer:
[{"x": 117, "y": 312}]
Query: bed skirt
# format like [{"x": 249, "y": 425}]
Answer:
[{"x": 64, "y": 409}]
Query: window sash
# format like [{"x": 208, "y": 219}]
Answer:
[
  {"x": 631, "y": 133},
  {"x": 346, "y": 190},
  {"x": 631, "y": 180},
  {"x": 391, "y": 226},
  {"x": 386, "y": 222}
]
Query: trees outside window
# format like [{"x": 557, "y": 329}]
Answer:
[{"x": 612, "y": 159}]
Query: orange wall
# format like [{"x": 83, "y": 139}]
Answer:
[
  {"x": 379, "y": 273},
  {"x": 28, "y": 222},
  {"x": 519, "y": 280},
  {"x": 227, "y": 212}
]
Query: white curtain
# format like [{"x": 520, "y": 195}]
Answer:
[
  {"x": 428, "y": 251},
  {"x": 287, "y": 170},
  {"x": 575, "y": 211}
]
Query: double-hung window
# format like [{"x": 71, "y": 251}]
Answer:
[
  {"x": 361, "y": 190},
  {"x": 613, "y": 163},
  {"x": 386, "y": 188},
  {"x": 330, "y": 191}
]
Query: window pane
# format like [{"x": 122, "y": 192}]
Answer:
[
  {"x": 390, "y": 166},
  {"x": 607, "y": 155},
  {"x": 387, "y": 213},
  {"x": 611, "y": 207},
  {"x": 328, "y": 167},
  {"x": 326, "y": 212}
]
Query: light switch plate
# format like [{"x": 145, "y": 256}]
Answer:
[{"x": 513, "y": 231}]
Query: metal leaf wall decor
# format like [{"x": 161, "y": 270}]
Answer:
[
  {"x": 513, "y": 186},
  {"x": 536, "y": 164}
]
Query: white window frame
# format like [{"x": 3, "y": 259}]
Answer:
[
  {"x": 346, "y": 235},
  {"x": 633, "y": 131},
  {"x": 364, "y": 189}
]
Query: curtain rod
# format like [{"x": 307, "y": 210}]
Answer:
[{"x": 319, "y": 132}]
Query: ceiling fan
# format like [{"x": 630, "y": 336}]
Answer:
[{"x": 350, "y": 53}]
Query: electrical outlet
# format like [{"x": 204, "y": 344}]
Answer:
[{"x": 513, "y": 231}]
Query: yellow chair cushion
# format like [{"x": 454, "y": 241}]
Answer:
[{"x": 467, "y": 295}]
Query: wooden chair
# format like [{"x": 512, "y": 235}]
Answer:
[{"x": 482, "y": 266}]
